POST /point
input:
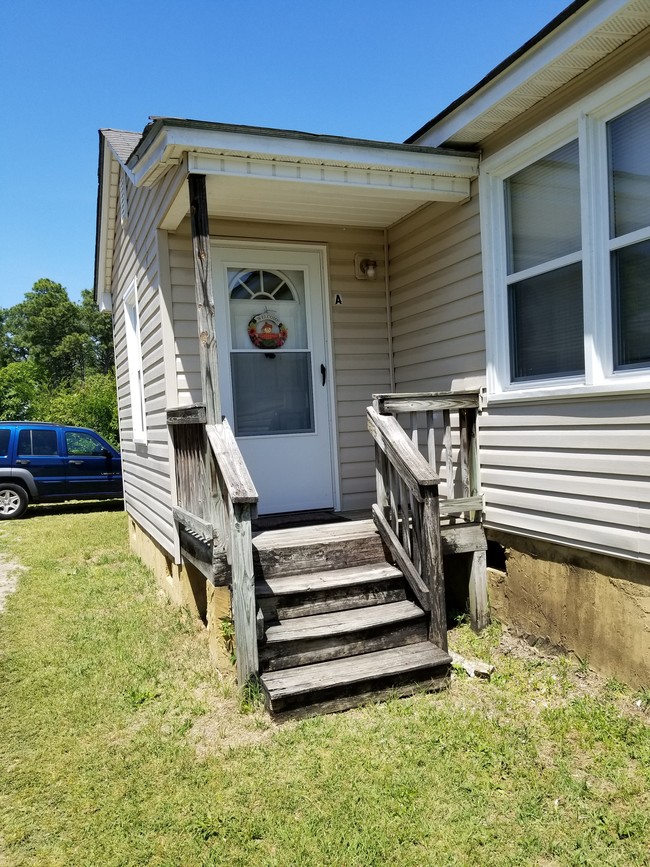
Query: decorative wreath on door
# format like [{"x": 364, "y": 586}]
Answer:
[{"x": 266, "y": 331}]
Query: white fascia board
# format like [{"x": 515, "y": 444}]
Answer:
[
  {"x": 172, "y": 141},
  {"x": 102, "y": 253},
  {"x": 548, "y": 51}
]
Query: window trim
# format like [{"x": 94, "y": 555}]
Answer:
[
  {"x": 585, "y": 121},
  {"x": 134, "y": 363}
]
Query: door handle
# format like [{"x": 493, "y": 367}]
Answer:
[
  {"x": 323, "y": 373},
  {"x": 76, "y": 463},
  {"x": 23, "y": 463}
]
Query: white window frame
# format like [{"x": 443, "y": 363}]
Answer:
[
  {"x": 585, "y": 121},
  {"x": 134, "y": 363}
]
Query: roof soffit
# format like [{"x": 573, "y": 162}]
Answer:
[{"x": 587, "y": 37}]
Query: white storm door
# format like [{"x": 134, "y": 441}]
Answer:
[{"x": 273, "y": 372}]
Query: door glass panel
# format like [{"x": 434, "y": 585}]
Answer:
[
  {"x": 281, "y": 294},
  {"x": 270, "y": 353},
  {"x": 272, "y": 393}
]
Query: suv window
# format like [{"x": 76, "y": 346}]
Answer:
[
  {"x": 4, "y": 442},
  {"x": 82, "y": 444},
  {"x": 37, "y": 442}
]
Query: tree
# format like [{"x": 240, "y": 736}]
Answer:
[
  {"x": 38, "y": 326},
  {"x": 92, "y": 403},
  {"x": 8, "y": 350},
  {"x": 98, "y": 325},
  {"x": 19, "y": 390}
]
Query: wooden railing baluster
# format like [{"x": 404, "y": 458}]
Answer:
[
  {"x": 449, "y": 453},
  {"x": 431, "y": 439}
]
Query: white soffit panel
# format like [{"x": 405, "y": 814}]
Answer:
[{"x": 574, "y": 47}]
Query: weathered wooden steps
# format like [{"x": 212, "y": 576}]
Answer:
[
  {"x": 304, "y": 640},
  {"x": 333, "y": 590},
  {"x": 326, "y": 687},
  {"x": 340, "y": 625}
]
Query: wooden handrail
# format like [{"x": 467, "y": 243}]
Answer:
[
  {"x": 235, "y": 500},
  {"x": 401, "y": 452},
  {"x": 231, "y": 463},
  {"x": 408, "y": 518},
  {"x": 194, "y": 413},
  {"x": 457, "y": 444},
  {"x": 217, "y": 501},
  {"x": 426, "y": 401}
]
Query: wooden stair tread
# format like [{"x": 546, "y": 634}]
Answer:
[
  {"x": 353, "y": 669},
  {"x": 331, "y": 579},
  {"x": 318, "y": 534},
  {"x": 340, "y": 622}
]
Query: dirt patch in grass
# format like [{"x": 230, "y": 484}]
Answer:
[
  {"x": 9, "y": 571},
  {"x": 223, "y": 726}
]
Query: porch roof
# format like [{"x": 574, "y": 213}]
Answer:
[
  {"x": 278, "y": 175},
  {"x": 291, "y": 176}
]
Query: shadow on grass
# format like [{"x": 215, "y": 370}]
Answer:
[{"x": 74, "y": 507}]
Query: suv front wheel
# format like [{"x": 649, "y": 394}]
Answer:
[{"x": 13, "y": 501}]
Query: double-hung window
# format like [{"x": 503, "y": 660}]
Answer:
[
  {"x": 566, "y": 243},
  {"x": 544, "y": 254}
]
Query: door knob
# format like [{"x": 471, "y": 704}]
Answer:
[{"x": 323, "y": 373}]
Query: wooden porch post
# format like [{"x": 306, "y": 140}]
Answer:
[{"x": 204, "y": 298}]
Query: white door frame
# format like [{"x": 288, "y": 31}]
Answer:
[{"x": 321, "y": 250}]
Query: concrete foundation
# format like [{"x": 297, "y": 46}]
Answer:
[
  {"x": 186, "y": 587},
  {"x": 590, "y": 605}
]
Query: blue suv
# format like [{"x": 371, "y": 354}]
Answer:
[{"x": 49, "y": 463}]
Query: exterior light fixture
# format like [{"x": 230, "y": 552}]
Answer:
[{"x": 365, "y": 267}]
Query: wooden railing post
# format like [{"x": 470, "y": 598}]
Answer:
[
  {"x": 243, "y": 593},
  {"x": 432, "y": 571}
]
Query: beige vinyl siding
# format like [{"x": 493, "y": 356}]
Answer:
[
  {"x": 576, "y": 472},
  {"x": 436, "y": 298},
  {"x": 146, "y": 467},
  {"x": 359, "y": 333}
]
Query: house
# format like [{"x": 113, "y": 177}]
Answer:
[{"x": 489, "y": 273}]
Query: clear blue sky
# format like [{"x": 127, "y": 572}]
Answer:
[{"x": 367, "y": 68}]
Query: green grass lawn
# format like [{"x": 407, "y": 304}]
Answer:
[{"x": 119, "y": 745}]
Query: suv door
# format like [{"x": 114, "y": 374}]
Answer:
[
  {"x": 94, "y": 469},
  {"x": 37, "y": 451}
]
